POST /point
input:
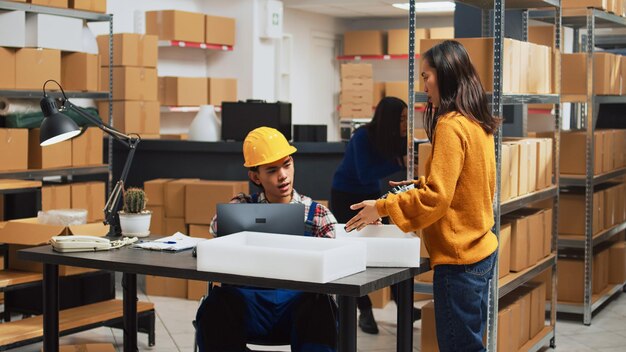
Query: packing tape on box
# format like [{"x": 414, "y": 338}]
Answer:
[{"x": 8, "y": 107}]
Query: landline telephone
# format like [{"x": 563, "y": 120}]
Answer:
[{"x": 87, "y": 243}]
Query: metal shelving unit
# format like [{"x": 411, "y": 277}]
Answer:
[
  {"x": 588, "y": 20},
  {"x": 494, "y": 9},
  {"x": 597, "y": 300},
  {"x": 36, "y": 94},
  {"x": 183, "y": 44},
  {"x": 40, "y": 174},
  {"x": 374, "y": 57},
  {"x": 83, "y": 15}
]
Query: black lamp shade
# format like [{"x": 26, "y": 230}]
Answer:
[{"x": 56, "y": 127}]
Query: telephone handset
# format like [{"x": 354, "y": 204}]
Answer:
[{"x": 80, "y": 243}]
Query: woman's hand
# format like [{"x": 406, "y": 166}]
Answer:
[
  {"x": 400, "y": 183},
  {"x": 367, "y": 215}
]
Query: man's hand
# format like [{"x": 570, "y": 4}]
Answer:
[{"x": 367, "y": 215}]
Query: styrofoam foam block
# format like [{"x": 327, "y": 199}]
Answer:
[
  {"x": 54, "y": 32},
  {"x": 286, "y": 257},
  {"x": 387, "y": 245},
  {"x": 13, "y": 28}
]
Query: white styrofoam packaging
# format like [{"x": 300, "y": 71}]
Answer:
[
  {"x": 387, "y": 245},
  {"x": 13, "y": 29},
  {"x": 285, "y": 257},
  {"x": 54, "y": 32}
]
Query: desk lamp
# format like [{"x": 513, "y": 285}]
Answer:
[{"x": 58, "y": 127}]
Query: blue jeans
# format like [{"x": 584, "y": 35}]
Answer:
[{"x": 461, "y": 295}]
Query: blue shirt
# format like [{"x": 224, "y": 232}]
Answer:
[{"x": 362, "y": 166}]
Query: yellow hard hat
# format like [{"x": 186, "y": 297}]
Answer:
[{"x": 265, "y": 145}]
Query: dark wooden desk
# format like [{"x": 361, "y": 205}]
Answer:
[{"x": 182, "y": 265}]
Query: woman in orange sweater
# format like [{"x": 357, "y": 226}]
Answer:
[{"x": 452, "y": 203}]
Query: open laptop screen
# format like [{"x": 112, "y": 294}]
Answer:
[{"x": 285, "y": 219}]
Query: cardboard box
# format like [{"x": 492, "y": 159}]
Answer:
[
  {"x": 196, "y": 289},
  {"x": 378, "y": 94},
  {"x": 131, "y": 83},
  {"x": 143, "y": 117},
  {"x": 619, "y": 147},
  {"x": 544, "y": 163},
  {"x": 173, "y": 225},
  {"x": 202, "y": 231},
  {"x": 155, "y": 190},
  {"x": 572, "y": 213},
  {"x": 13, "y": 29},
  {"x": 129, "y": 49},
  {"x": 429, "y": 330},
  {"x": 362, "y": 84},
  {"x": 574, "y": 73},
  {"x": 7, "y": 66},
  {"x": 510, "y": 170},
  {"x": 570, "y": 277},
  {"x": 89, "y": 5},
  {"x": 617, "y": 263},
  {"x": 56, "y": 197},
  {"x": 166, "y": 286},
  {"x": 13, "y": 233},
  {"x": 157, "y": 221},
  {"x": 608, "y": 152},
  {"x": 183, "y": 91},
  {"x": 381, "y": 297},
  {"x": 620, "y": 204},
  {"x": 547, "y": 232},
  {"x": 535, "y": 238},
  {"x": 519, "y": 243},
  {"x": 34, "y": 66},
  {"x": 573, "y": 4},
  {"x": 511, "y": 340},
  {"x": 426, "y": 277},
  {"x": 222, "y": 89},
  {"x": 363, "y": 43},
  {"x": 79, "y": 71},
  {"x": 542, "y": 35},
  {"x": 531, "y": 164},
  {"x": 364, "y": 97},
  {"x": 442, "y": 33},
  {"x": 51, "y": 3},
  {"x": 361, "y": 110},
  {"x": 202, "y": 197},
  {"x": 359, "y": 71},
  {"x": 574, "y": 143},
  {"x": 219, "y": 30},
  {"x": 504, "y": 328},
  {"x": 176, "y": 25},
  {"x": 87, "y": 148},
  {"x": 538, "y": 309},
  {"x": 54, "y": 32},
  {"x": 504, "y": 246},
  {"x": 424, "y": 151},
  {"x": 398, "y": 40},
  {"x": 14, "y": 146},
  {"x": 90, "y": 196},
  {"x": 397, "y": 89},
  {"x": 55, "y": 155},
  {"x": 610, "y": 198},
  {"x": 174, "y": 200}
]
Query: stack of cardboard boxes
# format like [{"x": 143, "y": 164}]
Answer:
[
  {"x": 187, "y": 206},
  {"x": 617, "y": 7},
  {"x": 195, "y": 91},
  {"x": 357, "y": 91},
  {"x": 191, "y": 27},
  {"x": 135, "y": 104}
]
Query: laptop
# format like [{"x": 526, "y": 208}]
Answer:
[{"x": 287, "y": 219}]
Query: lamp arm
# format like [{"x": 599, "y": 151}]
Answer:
[
  {"x": 110, "y": 208},
  {"x": 122, "y": 137}
]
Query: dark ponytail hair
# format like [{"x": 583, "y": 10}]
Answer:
[
  {"x": 384, "y": 129},
  {"x": 460, "y": 89}
]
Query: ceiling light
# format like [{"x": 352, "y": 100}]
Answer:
[{"x": 431, "y": 6}]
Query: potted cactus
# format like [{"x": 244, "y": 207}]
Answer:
[{"x": 135, "y": 219}]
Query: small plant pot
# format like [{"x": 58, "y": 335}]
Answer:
[{"x": 135, "y": 224}]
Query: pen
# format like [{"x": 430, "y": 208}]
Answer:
[{"x": 169, "y": 242}]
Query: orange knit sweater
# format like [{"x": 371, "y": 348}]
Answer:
[{"x": 453, "y": 203}]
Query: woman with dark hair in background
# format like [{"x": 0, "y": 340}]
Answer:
[
  {"x": 375, "y": 151},
  {"x": 453, "y": 202}
]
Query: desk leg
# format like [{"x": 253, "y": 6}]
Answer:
[
  {"x": 129, "y": 286},
  {"x": 405, "y": 316},
  {"x": 51, "y": 308},
  {"x": 347, "y": 323}
]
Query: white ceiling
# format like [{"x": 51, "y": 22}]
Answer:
[{"x": 352, "y": 8}]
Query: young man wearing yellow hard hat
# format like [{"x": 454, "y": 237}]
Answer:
[{"x": 234, "y": 315}]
